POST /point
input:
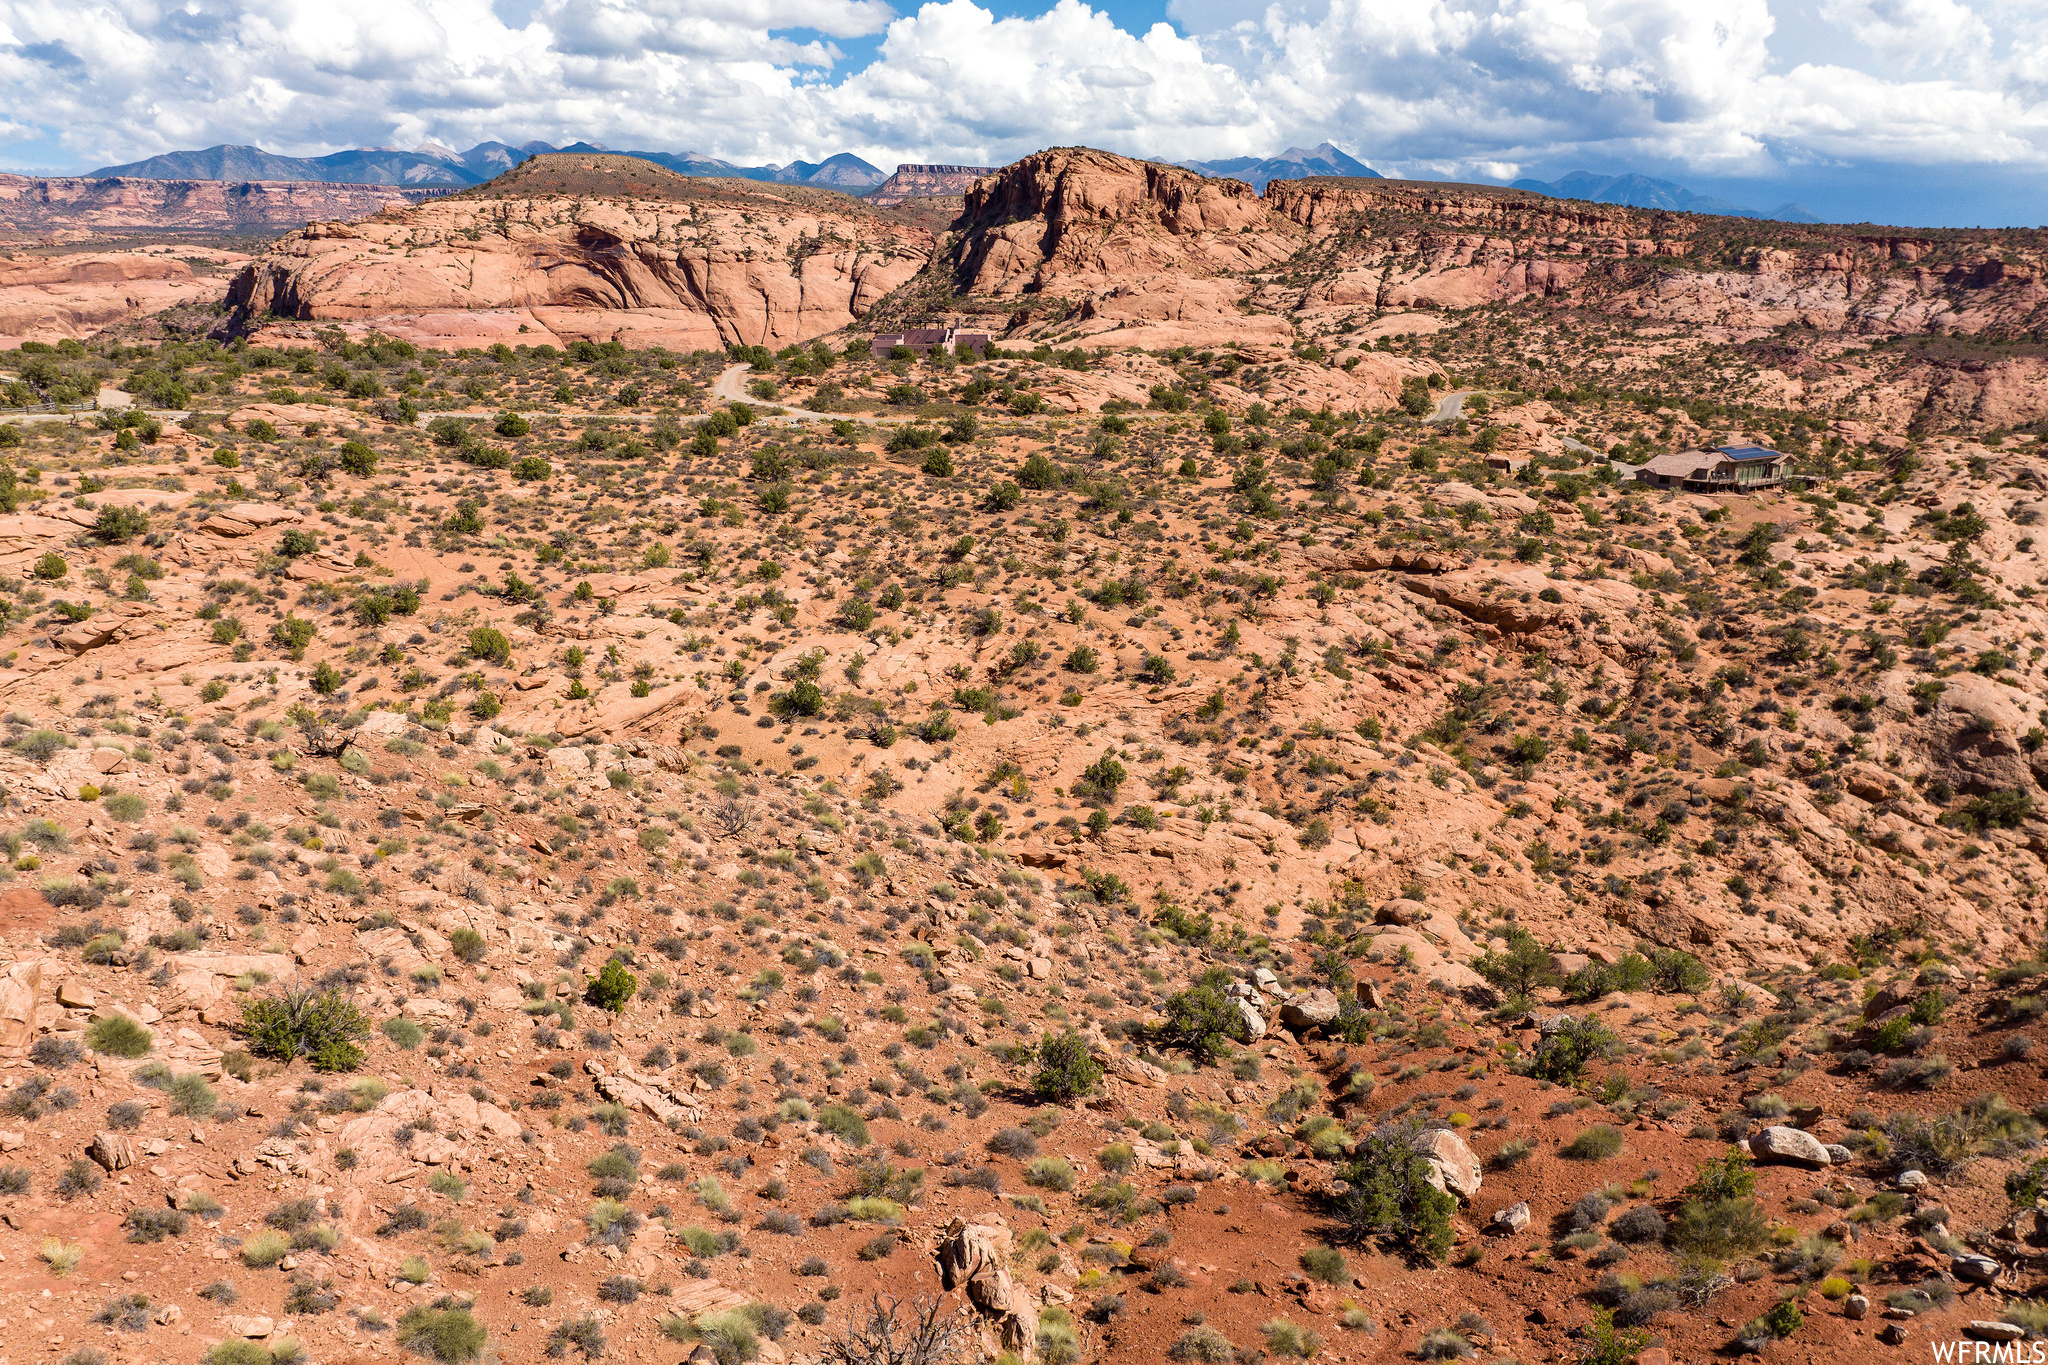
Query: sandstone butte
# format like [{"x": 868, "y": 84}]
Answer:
[{"x": 598, "y": 248}]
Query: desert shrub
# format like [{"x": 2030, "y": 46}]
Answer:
[
  {"x": 1066, "y": 1070},
  {"x": 154, "y": 1225},
  {"x": 235, "y": 1351},
  {"x": 1389, "y": 1195},
  {"x": 1562, "y": 1055},
  {"x": 402, "y": 1031},
  {"x": 584, "y": 1334},
  {"x": 1012, "y": 1142},
  {"x": 1643, "y": 1223},
  {"x": 612, "y": 987},
  {"x": 1050, "y": 1173},
  {"x": 117, "y": 1035},
  {"x": 1326, "y": 1264},
  {"x": 1284, "y": 1338},
  {"x": 1444, "y": 1343},
  {"x": 56, "y": 1053},
  {"x": 191, "y": 1097},
  {"x": 845, "y": 1123},
  {"x": 445, "y": 1330},
  {"x": 1598, "y": 1143},
  {"x": 265, "y": 1249},
  {"x": 1203, "y": 1345},
  {"x": 323, "y": 1026},
  {"x": 1781, "y": 1321},
  {"x": 80, "y": 1177},
  {"x": 1202, "y": 1019}
]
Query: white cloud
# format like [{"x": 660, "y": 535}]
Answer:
[{"x": 1447, "y": 87}]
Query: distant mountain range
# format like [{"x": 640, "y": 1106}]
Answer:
[
  {"x": 431, "y": 165},
  {"x": 1296, "y": 163},
  {"x": 1640, "y": 191}
]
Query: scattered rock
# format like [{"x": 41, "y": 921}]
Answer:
[
  {"x": 1513, "y": 1218},
  {"x": 112, "y": 1151},
  {"x": 1856, "y": 1306},
  {"x": 1310, "y": 1009},
  {"x": 1780, "y": 1143},
  {"x": 1995, "y": 1331},
  {"x": 1976, "y": 1269},
  {"x": 1453, "y": 1162}
]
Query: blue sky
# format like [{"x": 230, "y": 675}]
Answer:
[{"x": 1929, "y": 112}]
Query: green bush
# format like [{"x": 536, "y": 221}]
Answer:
[
  {"x": 117, "y": 1035},
  {"x": 1202, "y": 1019},
  {"x": 119, "y": 525},
  {"x": 191, "y": 1097},
  {"x": 1561, "y": 1056},
  {"x": 467, "y": 944},
  {"x": 1389, "y": 1195},
  {"x": 1066, "y": 1070},
  {"x": 1598, "y": 1143},
  {"x": 845, "y": 1122},
  {"x": 489, "y": 643},
  {"x": 325, "y": 1027},
  {"x": 1326, "y": 1264},
  {"x": 402, "y": 1031},
  {"x": 264, "y": 1249},
  {"x": 612, "y": 987},
  {"x": 445, "y": 1330},
  {"x": 236, "y": 1351}
]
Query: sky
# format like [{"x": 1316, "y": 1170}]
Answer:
[{"x": 1915, "y": 112}]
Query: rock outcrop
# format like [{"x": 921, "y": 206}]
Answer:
[
  {"x": 569, "y": 248},
  {"x": 975, "y": 1258}
]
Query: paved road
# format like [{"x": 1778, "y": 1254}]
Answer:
[{"x": 1450, "y": 406}]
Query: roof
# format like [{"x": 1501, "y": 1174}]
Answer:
[
  {"x": 1682, "y": 464},
  {"x": 1751, "y": 453}
]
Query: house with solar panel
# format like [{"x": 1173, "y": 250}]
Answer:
[{"x": 1724, "y": 469}]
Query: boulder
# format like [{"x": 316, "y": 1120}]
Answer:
[
  {"x": 111, "y": 1151},
  {"x": 975, "y": 1258},
  {"x": 1780, "y": 1143},
  {"x": 1254, "y": 1022},
  {"x": 1369, "y": 996},
  {"x": 1401, "y": 912},
  {"x": 1911, "y": 1180},
  {"x": 1513, "y": 1218},
  {"x": 254, "y": 1328},
  {"x": 1856, "y": 1306},
  {"x": 1839, "y": 1155},
  {"x": 1310, "y": 1009},
  {"x": 1995, "y": 1331},
  {"x": 1976, "y": 1269},
  {"x": 75, "y": 995},
  {"x": 86, "y": 635},
  {"x": 1448, "y": 1155}
]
